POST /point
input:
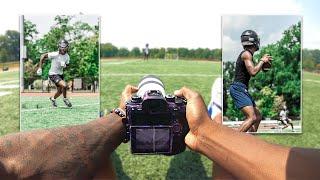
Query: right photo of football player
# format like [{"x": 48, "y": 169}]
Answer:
[{"x": 261, "y": 72}]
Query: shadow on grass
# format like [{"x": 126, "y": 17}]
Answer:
[
  {"x": 187, "y": 165},
  {"x": 118, "y": 166}
]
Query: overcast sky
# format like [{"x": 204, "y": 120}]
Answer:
[
  {"x": 269, "y": 28},
  {"x": 165, "y": 23}
]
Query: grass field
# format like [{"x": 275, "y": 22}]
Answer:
[
  {"x": 37, "y": 112},
  {"x": 115, "y": 74},
  {"x": 9, "y": 104}
]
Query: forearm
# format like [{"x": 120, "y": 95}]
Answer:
[
  {"x": 257, "y": 68},
  {"x": 244, "y": 155},
  {"x": 42, "y": 59},
  {"x": 56, "y": 151}
]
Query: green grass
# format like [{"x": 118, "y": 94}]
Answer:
[
  {"x": 9, "y": 76},
  {"x": 37, "y": 112},
  {"x": 187, "y": 165},
  {"x": 9, "y": 104},
  {"x": 9, "y": 112}
]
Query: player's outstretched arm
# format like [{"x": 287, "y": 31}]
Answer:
[
  {"x": 244, "y": 155},
  {"x": 43, "y": 57},
  {"x": 75, "y": 152}
]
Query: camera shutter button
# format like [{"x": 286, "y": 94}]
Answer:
[
  {"x": 170, "y": 98},
  {"x": 136, "y": 99},
  {"x": 179, "y": 101}
]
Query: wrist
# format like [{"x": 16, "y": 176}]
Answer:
[
  {"x": 206, "y": 131},
  {"x": 114, "y": 126}
]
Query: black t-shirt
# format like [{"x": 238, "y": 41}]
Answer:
[{"x": 242, "y": 75}]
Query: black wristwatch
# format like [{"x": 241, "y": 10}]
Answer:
[{"x": 122, "y": 114}]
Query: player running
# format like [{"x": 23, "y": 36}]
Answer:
[
  {"x": 245, "y": 68},
  {"x": 284, "y": 119},
  {"x": 59, "y": 60}
]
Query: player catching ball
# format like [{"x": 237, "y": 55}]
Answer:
[
  {"x": 245, "y": 69},
  {"x": 59, "y": 60}
]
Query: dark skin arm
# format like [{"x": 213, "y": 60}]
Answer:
[
  {"x": 253, "y": 70},
  {"x": 243, "y": 155},
  {"x": 43, "y": 57},
  {"x": 75, "y": 152}
]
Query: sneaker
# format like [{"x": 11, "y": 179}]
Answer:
[
  {"x": 67, "y": 102},
  {"x": 53, "y": 101}
]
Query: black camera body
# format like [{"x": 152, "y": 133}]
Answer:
[{"x": 156, "y": 124}]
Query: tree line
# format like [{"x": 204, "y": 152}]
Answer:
[
  {"x": 311, "y": 59},
  {"x": 108, "y": 50},
  {"x": 9, "y": 46},
  {"x": 9, "y": 51}
]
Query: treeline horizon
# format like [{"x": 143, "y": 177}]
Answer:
[
  {"x": 108, "y": 50},
  {"x": 10, "y": 51}
]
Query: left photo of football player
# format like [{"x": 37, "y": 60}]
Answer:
[{"x": 59, "y": 65}]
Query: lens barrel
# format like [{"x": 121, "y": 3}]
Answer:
[{"x": 150, "y": 82}]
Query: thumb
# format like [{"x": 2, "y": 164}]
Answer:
[{"x": 191, "y": 140}]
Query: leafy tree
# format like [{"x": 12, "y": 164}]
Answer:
[
  {"x": 135, "y": 52},
  {"x": 108, "y": 50},
  {"x": 9, "y": 46},
  {"x": 123, "y": 52}
]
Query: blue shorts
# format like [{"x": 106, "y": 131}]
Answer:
[{"x": 240, "y": 95}]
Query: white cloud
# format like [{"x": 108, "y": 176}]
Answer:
[
  {"x": 231, "y": 48},
  {"x": 189, "y": 23}
]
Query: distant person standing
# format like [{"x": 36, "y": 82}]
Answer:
[{"x": 146, "y": 52}]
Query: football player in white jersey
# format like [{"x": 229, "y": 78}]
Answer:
[
  {"x": 284, "y": 119},
  {"x": 59, "y": 60}
]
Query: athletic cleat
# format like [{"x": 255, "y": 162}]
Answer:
[
  {"x": 53, "y": 101},
  {"x": 67, "y": 102}
]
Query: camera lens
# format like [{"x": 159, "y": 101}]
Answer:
[{"x": 150, "y": 83}]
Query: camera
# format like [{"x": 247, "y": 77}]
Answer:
[{"x": 156, "y": 123}]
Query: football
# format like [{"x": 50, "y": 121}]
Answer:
[{"x": 266, "y": 67}]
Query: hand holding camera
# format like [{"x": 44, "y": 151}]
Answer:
[
  {"x": 156, "y": 123},
  {"x": 197, "y": 115}
]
